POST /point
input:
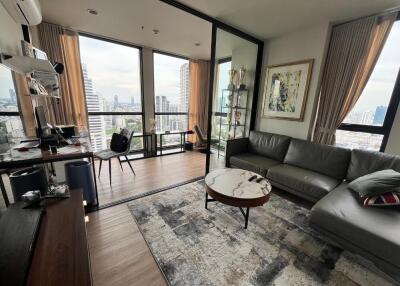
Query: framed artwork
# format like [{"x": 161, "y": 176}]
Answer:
[{"x": 286, "y": 89}]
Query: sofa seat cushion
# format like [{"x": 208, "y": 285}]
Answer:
[
  {"x": 314, "y": 185},
  {"x": 374, "y": 230},
  {"x": 253, "y": 162}
]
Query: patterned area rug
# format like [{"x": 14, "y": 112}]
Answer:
[{"x": 195, "y": 246}]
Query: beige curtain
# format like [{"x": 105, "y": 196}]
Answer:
[
  {"x": 62, "y": 46},
  {"x": 25, "y": 105},
  {"x": 353, "y": 51},
  {"x": 198, "y": 99}
]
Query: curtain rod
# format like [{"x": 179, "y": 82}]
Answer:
[{"x": 388, "y": 11}]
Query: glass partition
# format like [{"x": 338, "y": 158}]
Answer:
[{"x": 233, "y": 92}]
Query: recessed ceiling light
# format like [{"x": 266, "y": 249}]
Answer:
[
  {"x": 197, "y": 44},
  {"x": 155, "y": 31},
  {"x": 93, "y": 12}
]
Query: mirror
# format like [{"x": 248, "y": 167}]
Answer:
[{"x": 233, "y": 92}]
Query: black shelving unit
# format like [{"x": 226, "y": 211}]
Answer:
[{"x": 233, "y": 102}]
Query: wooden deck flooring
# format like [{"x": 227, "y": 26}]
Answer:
[{"x": 151, "y": 174}]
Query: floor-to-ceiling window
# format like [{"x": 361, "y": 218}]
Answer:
[
  {"x": 171, "y": 91},
  {"x": 10, "y": 122},
  {"x": 112, "y": 80},
  {"x": 368, "y": 124}
]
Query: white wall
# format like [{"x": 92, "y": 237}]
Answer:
[
  {"x": 10, "y": 33},
  {"x": 305, "y": 44}
]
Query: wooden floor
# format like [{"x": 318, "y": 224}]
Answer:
[
  {"x": 119, "y": 253},
  {"x": 151, "y": 174}
]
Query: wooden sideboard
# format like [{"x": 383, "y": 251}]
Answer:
[{"x": 61, "y": 255}]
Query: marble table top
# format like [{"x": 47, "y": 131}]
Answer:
[{"x": 234, "y": 183}]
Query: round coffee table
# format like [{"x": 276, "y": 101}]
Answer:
[{"x": 232, "y": 187}]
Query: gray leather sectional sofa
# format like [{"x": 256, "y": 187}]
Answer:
[{"x": 320, "y": 174}]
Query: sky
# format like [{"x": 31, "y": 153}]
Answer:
[
  {"x": 380, "y": 85},
  {"x": 115, "y": 69},
  {"x": 167, "y": 76}
]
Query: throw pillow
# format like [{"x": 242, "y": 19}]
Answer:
[
  {"x": 376, "y": 183},
  {"x": 387, "y": 199}
]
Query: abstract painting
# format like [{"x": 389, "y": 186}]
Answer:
[{"x": 286, "y": 88}]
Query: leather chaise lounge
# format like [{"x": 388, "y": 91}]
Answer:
[{"x": 320, "y": 174}]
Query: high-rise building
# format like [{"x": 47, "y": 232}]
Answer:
[
  {"x": 94, "y": 104},
  {"x": 13, "y": 95},
  {"x": 116, "y": 102},
  {"x": 367, "y": 117},
  {"x": 184, "y": 88},
  {"x": 379, "y": 115},
  {"x": 132, "y": 101},
  {"x": 165, "y": 118},
  {"x": 162, "y": 105}
]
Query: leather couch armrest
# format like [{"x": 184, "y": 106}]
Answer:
[{"x": 235, "y": 146}]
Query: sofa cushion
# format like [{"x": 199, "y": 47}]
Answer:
[
  {"x": 270, "y": 145},
  {"x": 364, "y": 162},
  {"x": 376, "y": 183},
  {"x": 374, "y": 230},
  {"x": 253, "y": 162},
  {"x": 324, "y": 159},
  {"x": 313, "y": 184}
]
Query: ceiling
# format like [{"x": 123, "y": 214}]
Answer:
[
  {"x": 226, "y": 43},
  {"x": 123, "y": 20},
  {"x": 179, "y": 31},
  {"x": 270, "y": 18}
]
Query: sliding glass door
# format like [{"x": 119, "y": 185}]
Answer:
[{"x": 232, "y": 94}]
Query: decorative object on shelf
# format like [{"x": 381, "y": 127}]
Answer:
[
  {"x": 27, "y": 49},
  {"x": 242, "y": 74},
  {"x": 30, "y": 51},
  {"x": 36, "y": 88},
  {"x": 286, "y": 89},
  {"x": 237, "y": 115},
  {"x": 232, "y": 77}
]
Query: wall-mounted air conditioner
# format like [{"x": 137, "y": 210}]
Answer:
[{"x": 25, "y": 12}]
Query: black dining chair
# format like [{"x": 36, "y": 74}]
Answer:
[{"x": 108, "y": 154}]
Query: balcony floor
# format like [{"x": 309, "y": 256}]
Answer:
[{"x": 151, "y": 174}]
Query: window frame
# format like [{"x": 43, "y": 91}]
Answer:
[
  {"x": 156, "y": 113},
  {"x": 105, "y": 113},
  {"x": 388, "y": 121}
]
